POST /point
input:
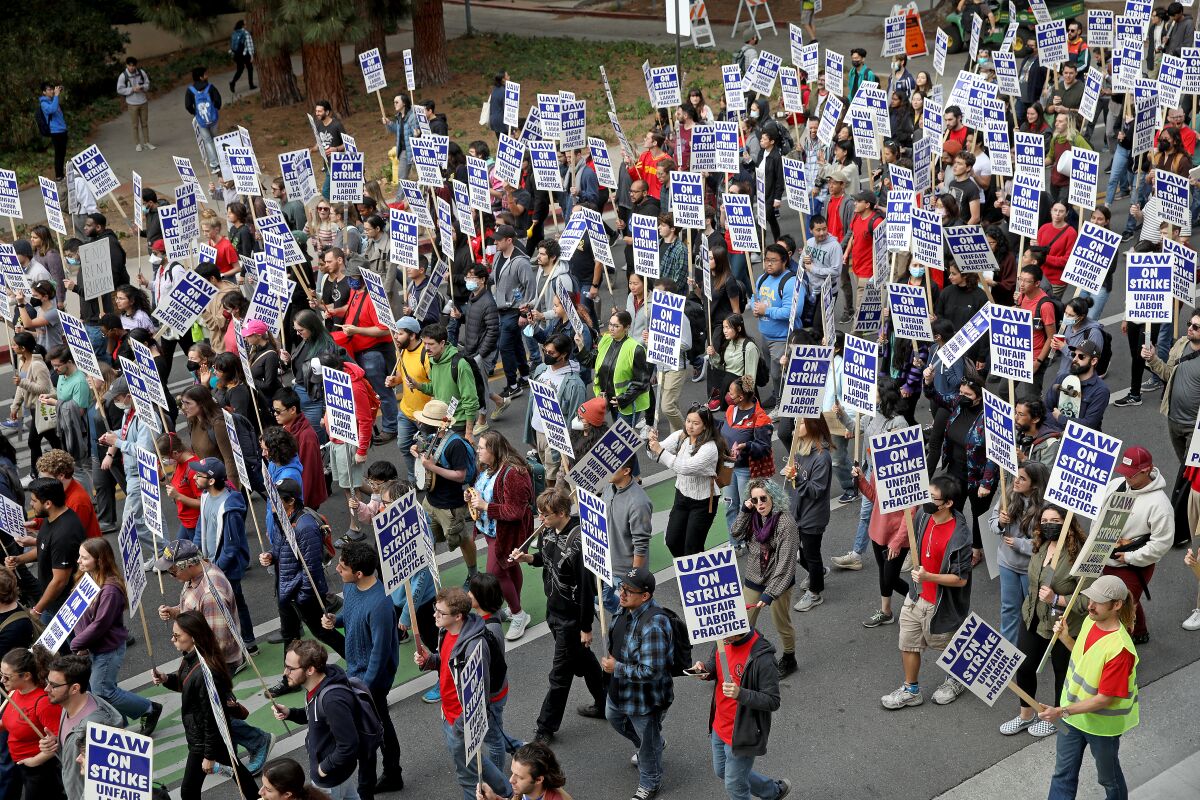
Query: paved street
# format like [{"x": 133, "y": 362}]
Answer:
[{"x": 831, "y": 737}]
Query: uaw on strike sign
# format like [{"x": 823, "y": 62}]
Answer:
[{"x": 711, "y": 591}]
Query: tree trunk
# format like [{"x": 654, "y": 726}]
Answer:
[
  {"x": 372, "y": 14},
  {"x": 323, "y": 80},
  {"x": 429, "y": 34},
  {"x": 276, "y": 82}
]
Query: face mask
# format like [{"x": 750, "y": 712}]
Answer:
[
  {"x": 930, "y": 508},
  {"x": 145, "y": 209},
  {"x": 916, "y": 272},
  {"x": 74, "y": 262},
  {"x": 729, "y": 401},
  {"x": 1163, "y": 145},
  {"x": 1050, "y": 530},
  {"x": 472, "y": 286},
  {"x": 354, "y": 284},
  {"x": 155, "y": 260},
  {"x": 122, "y": 406},
  {"x": 895, "y": 66},
  {"x": 548, "y": 360},
  {"x": 193, "y": 366},
  {"x": 168, "y": 463},
  {"x": 968, "y": 400},
  {"x": 1070, "y": 321},
  {"x": 754, "y": 114},
  {"x": 528, "y": 331},
  {"x": 577, "y": 424}
]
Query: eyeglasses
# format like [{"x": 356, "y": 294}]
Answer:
[
  {"x": 1192, "y": 327},
  {"x": 700, "y": 408},
  {"x": 288, "y": 668},
  {"x": 7, "y": 678},
  {"x": 760, "y": 499},
  {"x": 278, "y": 411},
  {"x": 437, "y": 612},
  {"x": 322, "y": 208},
  {"x": 52, "y": 685},
  {"x": 175, "y": 637},
  {"x": 626, "y": 590}
]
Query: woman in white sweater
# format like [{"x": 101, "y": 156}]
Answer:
[{"x": 693, "y": 454}]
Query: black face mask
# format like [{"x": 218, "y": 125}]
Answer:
[
  {"x": 930, "y": 508},
  {"x": 1163, "y": 145},
  {"x": 193, "y": 366},
  {"x": 1050, "y": 530}
]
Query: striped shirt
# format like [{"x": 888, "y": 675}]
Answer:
[{"x": 1152, "y": 219}]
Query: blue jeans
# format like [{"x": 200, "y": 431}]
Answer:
[
  {"x": 405, "y": 430},
  {"x": 105, "y": 668},
  {"x": 245, "y": 735},
  {"x": 497, "y": 741},
  {"x": 374, "y": 363},
  {"x": 741, "y": 781},
  {"x": 346, "y": 790},
  {"x": 466, "y": 773},
  {"x": 1014, "y": 588},
  {"x": 733, "y": 494},
  {"x": 1099, "y": 301},
  {"x": 1119, "y": 175},
  {"x": 512, "y": 349},
  {"x": 862, "y": 536},
  {"x": 1069, "y": 756},
  {"x": 645, "y": 731},
  {"x": 313, "y": 412},
  {"x": 210, "y": 147}
]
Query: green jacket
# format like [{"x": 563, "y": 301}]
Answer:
[{"x": 446, "y": 382}]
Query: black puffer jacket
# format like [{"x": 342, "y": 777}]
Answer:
[
  {"x": 479, "y": 333},
  {"x": 199, "y": 725}
]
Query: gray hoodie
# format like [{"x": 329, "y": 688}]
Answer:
[
  {"x": 514, "y": 282},
  {"x": 1016, "y": 557},
  {"x": 629, "y": 514},
  {"x": 103, "y": 714}
]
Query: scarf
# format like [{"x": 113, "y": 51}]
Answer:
[{"x": 763, "y": 530}]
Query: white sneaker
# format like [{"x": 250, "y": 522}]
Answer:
[
  {"x": 516, "y": 628},
  {"x": 851, "y": 560},
  {"x": 138, "y": 148},
  {"x": 149, "y": 146},
  {"x": 1016, "y": 725},
  {"x": 808, "y": 601},
  {"x": 902, "y": 697},
  {"x": 1192, "y": 623},
  {"x": 948, "y": 692},
  {"x": 1041, "y": 729}
]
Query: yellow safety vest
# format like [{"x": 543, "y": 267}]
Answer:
[
  {"x": 1083, "y": 678},
  {"x": 622, "y": 371}
]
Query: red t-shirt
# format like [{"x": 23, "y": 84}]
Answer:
[
  {"x": 22, "y": 741},
  {"x": 959, "y": 136},
  {"x": 861, "y": 261},
  {"x": 227, "y": 256},
  {"x": 933, "y": 552},
  {"x": 833, "y": 216},
  {"x": 1114, "y": 680},
  {"x": 451, "y": 707},
  {"x": 726, "y": 709},
  {"x": 1031, "y": 304},
  {"x": 183, "y": 483}
]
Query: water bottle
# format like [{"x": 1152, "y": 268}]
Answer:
[{"x": 224, "y": 770}]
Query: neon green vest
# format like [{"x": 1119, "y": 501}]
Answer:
[
  {"x": 622, "y": 372},
  {"x": 1083, "y": 676}
]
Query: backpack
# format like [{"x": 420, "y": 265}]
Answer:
[
  {"x": 699, "y": 325},
  {"x": 497, "y": 664},
  {"x": 786, "y": 144},
  {"x": 326, "y": 531},
  {"x": 370, "y": 729},
  {"x": 681, "y": 645},
  {"x": 237, "y": 43},
  {"x": 1058, "y": 308},
  {"x": 741, "y": 58},
  {"x": 808, "y": 311},
  {"x": 537, "y": 473},
  {"x": 43, "y": 124},
  {"x": 1106, "y": 352},
  {"x": 206, "y": 112},
  {"x": 248, "y": 441},
  {"x": 472, "y": 463},
  {"x": 762, "y": 370}
]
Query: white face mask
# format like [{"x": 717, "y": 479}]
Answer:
[
  {"x": 122, "y": 406},
  {"x": 577, "y": 424},
  {"x": 155, "y": 260}
]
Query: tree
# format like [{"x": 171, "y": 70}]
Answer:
[
  {"x": 273, "y": 62},
  {"x": 319, "y": 26},
  {"x": 429, "y": 34},
  {"x": 375, "y": 17}
]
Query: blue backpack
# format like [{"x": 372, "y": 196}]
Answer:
[
  {"x": 206, "y": 112},
  {"x": 472, "y": 462},
  {"x": 237, "y": 43}
]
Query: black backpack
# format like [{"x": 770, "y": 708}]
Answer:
[
  {"x": 43, "y": 124},
  {"x": 497, "y": 665},
  {"x": 762, "y": 370},
  {"x": 681, "y": 645},
  {"x": 1058, "y": 307},
  {"x": 699, "y": 325},
  {"x": 1106, "y": 353},
  {"x": 370, "y": 729}
]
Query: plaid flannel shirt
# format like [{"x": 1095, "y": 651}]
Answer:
[
  {"x": 195, "y": 597},
  {"x": 642, "y": 678}
]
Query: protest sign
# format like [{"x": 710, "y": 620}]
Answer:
[
  {"x": 147, "y": 466},
  {"x": 711, "y": 590},
  {"x": 1030, "y": 155},
  {"x": 379, "y": 298},
  {"x": 644, "y": 230},
  {"x": 416, "y": 201},
  {"x": 893, "y": 35},
  {"x": 372, "y": 70},
  {"x": 462, "y": 208},
  {"x": 186, "y": 302},
  {"x": 927, "y": 236},
  {"x": 835, "y": 74},
  {"x": 573, "y": 126},
  {"x": 345, "y": 178},
  {"x": 1093, "y": 84},
  {"x": 1085, "y": 174},
  {"x": 402, "y": 235},
  {"x": 761, "y": 75},
  {"x": 1011, "y": 338},
  {"x": 544, "y": 161},
  {"x": 1173, "y": 192},
  {"x": 910, "y": 311},
  {"x": 1103, "y": 536},
  {"x": 176, "y": 246},
  {"x": 10, "y": 195},
  {"x": 789, "y": 88},
  {"x": 1085, "y": 462},
  {"x": 339, "y": 405},
  {"x": 831, "y": 114},
  {"x": 933, "y": 120},
  {"x": 966, "y": 337},
  {"x": 81, "y": 346},
  {"x": 118, "y": 764},
  {"x": 1093, "y": 253},
  {"x": 593, "y": 530},
  {"x": 731, "y": 78},
  {"x": 216, "y": 704},
  {"x": 687, "y": 199},
  {"x": 1099, "y": 28},
  {"x": 68, "y": 615},
  {"x": 12, "y": 519},
  {"x": 1005, "y": 64},
  {"x": 969, "y": 246},
  {"x": 512, "y": 104},
  {"x": 869, "y": 316},
  {"x": 796, "y": 183},
  {"x": 478, "y": 185},
  {"x": 50, "y": 200},
  {"x": 666, "y": 329},
  {"x": 1025, "y": 204},
  {"x": 981, "y": 659},
  {"x": 445, "y": 224},
  {"x": 144, "y": 358},
  {"x": 187, "y": 174},
  {"x": 238, "y": 457},
  {"x": 429, "y": 155},
  {"x": 616, "y": 446},
  {"x": 95, "y": 269},
  {"x": 941, "y": 44},
  {"x": 549, "y": 412},
  {"x": 94, "y": 169},
  {"x": 1148, "y": 287},
  {"x": 296, "y": 168},
  {"x": 605, "y": 172},
  {"x": 1000, "y": 435},
  {"x": 410, "y": 78},
  {"x": 740, "y": 223},
  {"x": 901, "y": 479},
  {"x": 473, "y": 698},
  {"x": 15, "y": 279},
  {"x": 804, "y": 380},
  {"x": 1183, "y": 270},
  {"x": 1052, "y": 43},
  {"x": 399, "y": 537},
  {"x": 1172, "y": 74},
  {"x": 862, "y": 128},
  {"x": 923, "y": 164},
  {"x": 860, "y": 365},
  {"x": 662, "y": 85},
  {"x": 143, "y": 397},
  {"x": 243, "y": 170}
]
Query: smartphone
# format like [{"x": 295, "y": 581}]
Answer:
[{"x": 695, "y": 673}]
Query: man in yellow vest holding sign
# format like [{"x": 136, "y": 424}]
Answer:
[{"x": 1099, "y": 699}]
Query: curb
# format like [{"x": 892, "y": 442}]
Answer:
[{"x": 626, "y": 15}]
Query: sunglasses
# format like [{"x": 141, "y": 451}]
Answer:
[
  {"x": 760, "y": 499},
  {"x": 1192, "y": 327}
]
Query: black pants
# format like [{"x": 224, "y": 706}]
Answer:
[
  {"x": 60, "y": 154},
  {"x": 1034, "y": 647},
  {"x": 390, "y": 747},
  {"x": 1135, "y": 334},
  {"x": 979, "y": 508},
  {"x": 937, "y": 435},
  {"x": 773, "y": 222},
  {"x": 194, "y": 775},
  {"x": 571, "y": 659},
  {"x": 246, "y": 64},
  {"x": 426, "y": 626},
  {"x": 35, "y": 444},
  {"x": 308, "y": 611},
  {"x": 889, "y": 571},
  {"x": 810, "y": 559},
  {"x": 243, "y": 612},
  {"x": 43, "y": 782},
  {"x": 105, "y": 483},
  {"x": 688, "y": 525}
]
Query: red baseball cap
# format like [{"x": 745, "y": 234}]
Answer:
[
  {"x": 159, "y": 246},
  {"x": 1133, "y": 461}
]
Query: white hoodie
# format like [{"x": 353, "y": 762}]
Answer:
[{"x": 1152, "y": 513}]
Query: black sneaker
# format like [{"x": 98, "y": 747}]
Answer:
[
  {"x": 509, "y": 392},
  {"x": 594, "y": 711},
  {"x": 1129, "y": 400},
  {"x": 848, "y": 496},
  {"x": 282, "y": 688},
  {"x": 150, "y": 721},
  {"x": 390, "y": 782},
  {"x": 523, "y": 382},
  {"x": 786, "y": 665},
  {"x": 544, "y": 737},
  {"x": 252, "y": 649},
  {"x": 785, "y": 788}
]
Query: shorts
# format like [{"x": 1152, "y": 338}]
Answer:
[
  {"x": 914, "y": 628},
  {"x": 347, "y": 474},
  {"x": 551, "y": 458},
  {"x": 450, "y": 525},
  {"x": 808, "y": 10}
]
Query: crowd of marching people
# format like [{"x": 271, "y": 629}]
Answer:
[{"x": 254, "y": 423}]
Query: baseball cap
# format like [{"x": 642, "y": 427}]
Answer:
[
  {"x": 1134, "y": 460},
  {"x": 1088, "y": 348},
  {"x": 23, "y": 248},
  {"x": 254, "y": 327},
  {"x": 592, "y": 412},
  {"x": 504, "y": 232},
  {"x": 865, "y": 197},
  {"x": 118, "y": 387},
  {"x": 159, "y": 246},
  {"x": 212, "y": 468},
  {"x": 409, "y": 324},
  {"x": 177, "y": 552},
  {"x": 1107, "y": 588},
  {"x": 289, "y": 489},
  {"x": 639, "y": 578}
]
